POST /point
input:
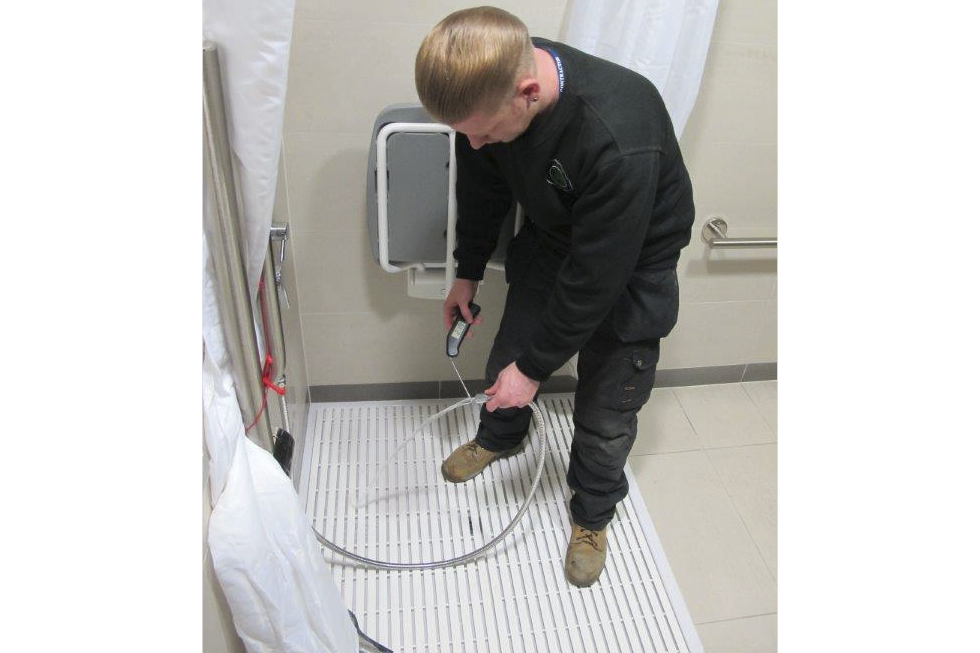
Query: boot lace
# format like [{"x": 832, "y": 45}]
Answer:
[
  {"x": 472, "y": 448},
  {"x": 589, "y": 537}
]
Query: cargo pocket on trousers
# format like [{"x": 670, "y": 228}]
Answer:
[
  {"x": 636, "y": 389},
  {"x": 648, "y": 307}
]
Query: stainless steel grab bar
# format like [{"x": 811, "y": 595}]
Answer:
[
  {"x": 225, "y": 245},
  {"x": 715, "y": 233}
]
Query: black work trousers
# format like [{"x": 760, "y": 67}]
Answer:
[{"x": 615, "y": 379}]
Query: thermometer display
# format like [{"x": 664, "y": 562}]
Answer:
[{"x": 458, "y": 332}]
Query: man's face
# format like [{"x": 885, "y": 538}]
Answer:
[{"x": 503, "y": 126}]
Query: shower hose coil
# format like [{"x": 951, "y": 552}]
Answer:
[{"x": 398, "y": 566}]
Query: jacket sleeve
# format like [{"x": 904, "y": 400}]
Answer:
[
  {"x": 609, "y": 223},
  {"x": 482, "y": 200}
]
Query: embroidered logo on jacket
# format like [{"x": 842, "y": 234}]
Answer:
[{"x": 558, "y": 178}]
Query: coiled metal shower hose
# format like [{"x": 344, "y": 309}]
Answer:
[{"x": 381, "y": 564}]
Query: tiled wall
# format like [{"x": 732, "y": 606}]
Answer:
[
  {"x": 350, "y": 59},
  {"x": 728, "y": 297}
]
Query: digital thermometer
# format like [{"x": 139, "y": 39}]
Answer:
[{"x": 456, "y": 334}]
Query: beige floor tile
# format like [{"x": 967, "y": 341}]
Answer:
[
  {"x": 747, "y": 635},
  {"x": 662, "y": 426},
  {"x": 749, "y": 475},
  {"x": 717, "y": 565},
  {"x": 724, "y": 416},
  {"x": 764, "y": 396}
]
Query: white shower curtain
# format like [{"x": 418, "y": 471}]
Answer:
[
  {"x": 253, "y": 47},
  {"x": 267, "y": 561},
  {"x": 664, "y": 40}
]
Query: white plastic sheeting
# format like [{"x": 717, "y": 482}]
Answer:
[
  {"x": 253, "y": 39},
  {"x": 267, "y": 561},
  {"x": 266, "y": 558},
  {"x": 664, "y": 40}
]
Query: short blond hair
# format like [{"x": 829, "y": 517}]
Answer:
[{"x": 471, "y": 62}]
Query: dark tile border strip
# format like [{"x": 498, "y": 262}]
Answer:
[
  {"x": 760, "y": 372},
  {"x": 452, "y": 389}
]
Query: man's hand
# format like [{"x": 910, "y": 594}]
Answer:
[
  {"x": 458, "y": 299},
  {"x": 511, "y": 389}
]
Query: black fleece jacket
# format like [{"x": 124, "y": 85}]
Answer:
[{"x": 618, "y": 205}]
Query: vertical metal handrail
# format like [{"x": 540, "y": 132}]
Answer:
[{"x": 225, "y": 245}]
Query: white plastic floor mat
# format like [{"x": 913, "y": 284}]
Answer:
[{"x": 514, "y": 599}]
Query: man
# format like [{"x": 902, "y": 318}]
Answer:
[{"x": 587, "y": 148}]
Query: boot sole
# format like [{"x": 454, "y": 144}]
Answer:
[{"x": 503, "y": 454}]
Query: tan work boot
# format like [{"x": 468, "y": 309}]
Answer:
[
  {"x": 470, "y": 459},
  {"x": 586, "y": 556}
]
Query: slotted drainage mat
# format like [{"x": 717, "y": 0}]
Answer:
[{"x": 514, "y": 599}]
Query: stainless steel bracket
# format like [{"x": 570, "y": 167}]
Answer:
[{"x": 279, "y": 232}]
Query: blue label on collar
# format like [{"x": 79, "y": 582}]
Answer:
[{"x": 560, "y": 67}]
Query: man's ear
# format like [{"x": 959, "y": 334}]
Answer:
[{"x": 529, "y": 89}]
